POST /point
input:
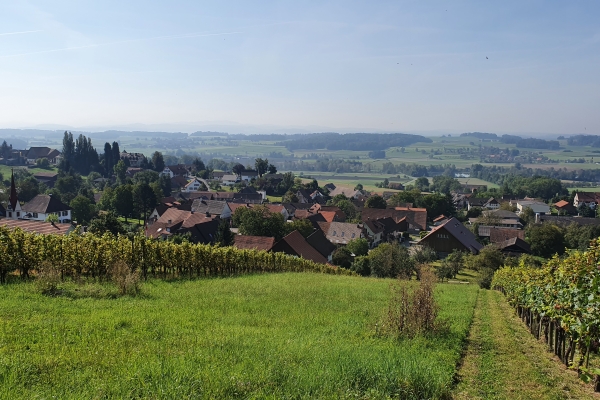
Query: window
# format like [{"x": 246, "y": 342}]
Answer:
[
  {"x": 35, "y": 215},
  {"x": 343, "y": 234},
  {"x": 65, "y": 213},
  {"x": 334, "y": 233},
  {"x": 442, "y": 236},
  {"x": 354, "y": 234},
  {"x": 10, "y": 215},
  {"x": 18, "y": 214}
]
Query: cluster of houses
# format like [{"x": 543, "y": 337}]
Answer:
[
  {"x": 196, "y": 211},
  {"x": 30, "y": 156}
]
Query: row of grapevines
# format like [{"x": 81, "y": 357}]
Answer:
[
  {"x": 90, "y": 255},
  {"x": 560, "y": 302}
]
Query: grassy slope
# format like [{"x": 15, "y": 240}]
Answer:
[
  {"x": 285, "y": 335},
  {"x": 504, "y": 361}
]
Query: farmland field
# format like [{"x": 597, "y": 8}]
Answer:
[{"x": 278, "y": 336}]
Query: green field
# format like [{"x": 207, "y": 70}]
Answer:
[{"x": 262, "y": 336}]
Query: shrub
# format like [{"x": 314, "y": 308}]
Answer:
[
  {"x": 49, "y": 279},
  {"x": 127, "y": 281},
  {"x": 412, "y": 312}
]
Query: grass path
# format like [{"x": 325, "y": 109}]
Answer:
[{"x": 504, "y": 361}]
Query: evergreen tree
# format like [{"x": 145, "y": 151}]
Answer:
[
  {"x": 109, "y": 162},
  {"x": 116, "y": 153},
  {"x": 158, "y": 161},
  {"x": 224, "y": 236}
]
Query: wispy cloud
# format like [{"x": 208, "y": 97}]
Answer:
[
  {"x": 181, "y": 36},
  {"x": 18, "y": 33}
]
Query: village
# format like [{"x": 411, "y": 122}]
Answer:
[{"x": 316, "y": 221}]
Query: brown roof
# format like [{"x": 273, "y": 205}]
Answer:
[
  {"x": 41, "y": 227},
  {"x": 42, "y": 152},
  {"x": 254, "y": 242},
  {"x": 319, "y": 241},
  {"x": 178, "y": 181},
  {"x": 178, "y": 169},
  {"x": 44, "y": 204},
  {"x": 173, "y": 221},
  {"x": 562, "y": 203},
  {"x": 417, "y": 217},
  {"x": 501, "y": 234},
  {"x": 295, "y": 244},
  {"x": 460, "y": 232},
  {"x": 516, "y": 243}
]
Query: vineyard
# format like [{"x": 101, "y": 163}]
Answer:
[
  {"x": 93, "y": 256},
  {"x": 560, "y": 303}
]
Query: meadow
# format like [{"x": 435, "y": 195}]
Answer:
[{"x": 291, "y": 335}]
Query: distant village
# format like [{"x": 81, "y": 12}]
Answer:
[{"x": 195, "y": 211}]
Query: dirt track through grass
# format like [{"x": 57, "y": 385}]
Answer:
[{"x": 504, "y": 361}]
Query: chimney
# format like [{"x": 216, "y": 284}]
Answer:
[
  {"x": 168, "y": 221},
  {"x": 207, "y": 214}
]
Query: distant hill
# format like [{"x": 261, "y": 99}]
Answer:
[
  {"x": 352, "y": 141},
  {"x": 481, "y": 135}
]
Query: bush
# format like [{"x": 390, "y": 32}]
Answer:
[
  {"x": 412, "y": 312},
  {"x": 49, "y": 279},
  {"x": 127, "y": 282},
  {"x": 361, "y": 266}
]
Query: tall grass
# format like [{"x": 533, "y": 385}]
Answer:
[{"x": 263, "y": 336}]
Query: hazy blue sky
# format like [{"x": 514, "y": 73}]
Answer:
[{"x": 503, "y": 66}]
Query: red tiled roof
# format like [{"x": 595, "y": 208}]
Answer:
[
  {"x": 561, "y": 204},
  {"x": 254, "y": 242},
  {"x": 41, "y": 227}
]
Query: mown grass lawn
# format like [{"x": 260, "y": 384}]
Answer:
[{"x": 262, "y": 336}]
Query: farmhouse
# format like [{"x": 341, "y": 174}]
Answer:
[
  {"x": 590, "y": 199},
  {"x": 450, "y": 236},
  {"x": 34, "y": 153},
  {"x": 134, "y": 159},
  {"x": 201, "y": 228}
]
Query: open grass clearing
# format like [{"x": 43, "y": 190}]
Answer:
[
  {"x": 262, "y": 336},
  {"x": 504, "y": 361}
]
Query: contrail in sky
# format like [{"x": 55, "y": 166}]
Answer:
[
  {"x": 17, "y": 33},
  {"x": 181, "y": 36}
]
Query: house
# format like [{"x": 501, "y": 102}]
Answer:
[
  {"x": 491, "y": 204},
  {"x": 249, "y": 175},
  {"x": 590, "y": 199},
  {"x": 565, "y": 208},
  {"x": 273, "y": 208},
  {"x": 503, "y": 218},
  {"x": 176, "y": 170},
  {"x": 293, "y": 207},
  {"x": 538, "y": 207},
  {"x": 40, "y": 227},
  {"x": 374, "y": 230},
  {"x": 566, "y": 221},
  {"x": 218, "y": 175},
  {"x": 497, "y": 234},
  {"x": 346, "y": 191},
  {"x": 392, "y": 230},
  {"x": 341, "y": 233},
  {"x": 44, "y": 205},
  {"x": 160, "y": 209},
  {"x": 131, "y": 171},
  {"x": 202, "y": 229},
  {"x": 450, "y": 236},
  {"x": 475, "y": 202},
  {"x": 309, "y": 196},
  {"x": 247, "y": 242},
  {"x": 229, "y": 180},
  {"x": 212, "y": 208},
  {"x": 319, "y": 241},
  {"x": 294, "y": 244},
  {"x": 178, "y": 183},
  {"x": 134, "y": 159},
  {"x": 514, "y": 247},
  {"x": 34, "y": 153},
  {"x": 415, "y": 217},
  {"x": 194, "y": 185}
]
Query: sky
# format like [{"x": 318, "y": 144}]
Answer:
[{"x": 347, "y": 66}]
